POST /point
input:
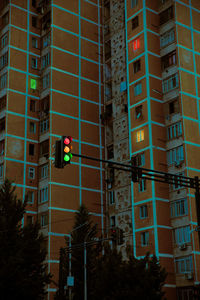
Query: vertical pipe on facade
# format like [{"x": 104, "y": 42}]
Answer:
[
  {"x": 129, "y": 133},
  {"x": 50, "y": 145},
  {"x": 196, "y": 90},
  {"x": 7, "y": 93},
  {"x": 79, "y": 99},
  {"x": 150, "y": 127},
  {"x": 100, "y": 131}
]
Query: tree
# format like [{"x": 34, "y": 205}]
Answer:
[
  {"x": 83, "y": 230},
  {"x": 22, "y": 270},
  {"x": 132, "y": 279}
]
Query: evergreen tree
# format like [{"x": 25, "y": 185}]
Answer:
[{"x": 22, "y": 269}]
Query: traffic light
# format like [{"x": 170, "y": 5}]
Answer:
[
  {"x": 66, "y": 148},
  {"x": 58, "y": 163},
  {"x": 113, "y": 234}
]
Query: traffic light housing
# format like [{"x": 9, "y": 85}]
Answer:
[
  {"x": 66, "y": 148},
  {"x": 120, "y": 236},
  {"x": 136, "y": 173},
  {"x": 117, "y": 235},
  {"x": 113, "y": 234}
]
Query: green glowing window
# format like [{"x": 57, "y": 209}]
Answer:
[{"x": 33, "y": 84}]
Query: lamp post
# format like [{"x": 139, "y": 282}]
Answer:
[
  {"x": 70, "y": 255},
  {"x": 85, "y": 263}
]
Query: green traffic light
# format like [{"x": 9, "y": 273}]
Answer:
[{"x": 66, "y": 157}]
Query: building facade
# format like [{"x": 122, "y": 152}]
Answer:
[
  {"x": 158, "y": 128},
  {"x": 51, "y": 85},
  {"x": 129, "y": 69}
]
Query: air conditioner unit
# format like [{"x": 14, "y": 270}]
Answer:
[
  {"x": 189, "y": 276},
  {"x": 183, "y": 246}
]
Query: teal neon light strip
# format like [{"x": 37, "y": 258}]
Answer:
[
  {"x": 73, "y": 33},
  {"x": 53, "y": 261},
  {"x": 188, "y": 5},
  {"x": 150, "y": 127},
  {"x": 23, "y": 51},
  {"x": 21, "y": 93},
  {"x": 100, "y": 131},
  {"x": 75, "y": 187},
  {"x": 23, "y": 9},
  {"x": 152, "y": 227},
  {"x": 188, "y": 49},
  {"x": 31, "y": 212},
  {"x": 21, "y": 138},
  {"x": 24, "y": 30},
  {"x": 22, "y": 162},
  {"x": 74, "y": 75},
  {"x": 24, "y": 72},
  {"x": 21, "y": 115},
  {"x": 149, "y": 200},
  {"x": 79, "y": 101},
  {"x": 75, "y": 118},
  {"x": 74, "y": 54},
  {"x": 73, "y": 96},
  {"x": 136, "y": 36},
  {"x": 192, "y": 169},
  {"x": 75, "y": 14}
]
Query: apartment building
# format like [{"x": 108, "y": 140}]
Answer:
[
  {"x": 51, "y": 85},
  {"x": 154, "y": 122},
  {"x": 129, "y": 69}
]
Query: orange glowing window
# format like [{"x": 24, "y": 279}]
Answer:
[
  {"x": 140, "y": 136},
  {"x": 136, "y": 44}
]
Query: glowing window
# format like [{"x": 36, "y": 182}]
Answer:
[
  {"x": 33, "y": 84},
  {"x": 136, "y": 44},
  {"x": 140, "y": 136}
]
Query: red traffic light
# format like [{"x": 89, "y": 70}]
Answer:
[{"x": 67, "y": 140}]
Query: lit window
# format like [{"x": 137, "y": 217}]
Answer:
[
  {"x": 134, "y": 3},
  {"x": 145, "y": 238},
  {"x": 33, "y": 84},
  {"x": 140, "y": 136},
  {"x": 30, "y": 197},
  {"x": 143, "y": 212},
  {"x": 136, "y": 44},
  {"x": 137, "y": 89},
  {"x": 31, "y": 173}
]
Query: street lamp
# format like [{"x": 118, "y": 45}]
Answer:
[{"x": 70, "y": 257}]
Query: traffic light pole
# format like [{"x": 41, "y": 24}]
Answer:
[{"x": 159, "y": 176}]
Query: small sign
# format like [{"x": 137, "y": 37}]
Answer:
[{"x": 70, "y": 281}]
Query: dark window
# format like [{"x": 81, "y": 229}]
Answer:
[
  {"x": 171, "y": 108},
  {"x": 138, "y": 112},
  {"x": 5, "y": 19},
  {"x": 34, "y": 3},
  {"x": 143, "y": 212},
  {"x": 34, "y": 42},
  {"x": 136, "y": 66},
  {"x": 168, "y": 60},
  {"x": 2, "y": 103},
  {"x": 110, "y": 152},
  {"x": 29, "y": 220},
  {"x": 112, "y": 221},
  {"x": 2, "y": 124},
  {"x": 34, "y": 22},
  {"x": 166, "y": 15},
  {"x": 44, "y": 148},
  {"x": 32, "y": 105},
  {"x": 31, "y": 149},
  {"x": 135, "y": 22}
]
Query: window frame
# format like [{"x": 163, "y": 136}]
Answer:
[
  {"x": 31, "y": 173},
  {"x": 145, "y": 238},
  {"x": 143, "y": 211},
  {"x": 135, "y": 22},
  {"x": 138, "y": 89},
  {"x": 32, "y": 197}
]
